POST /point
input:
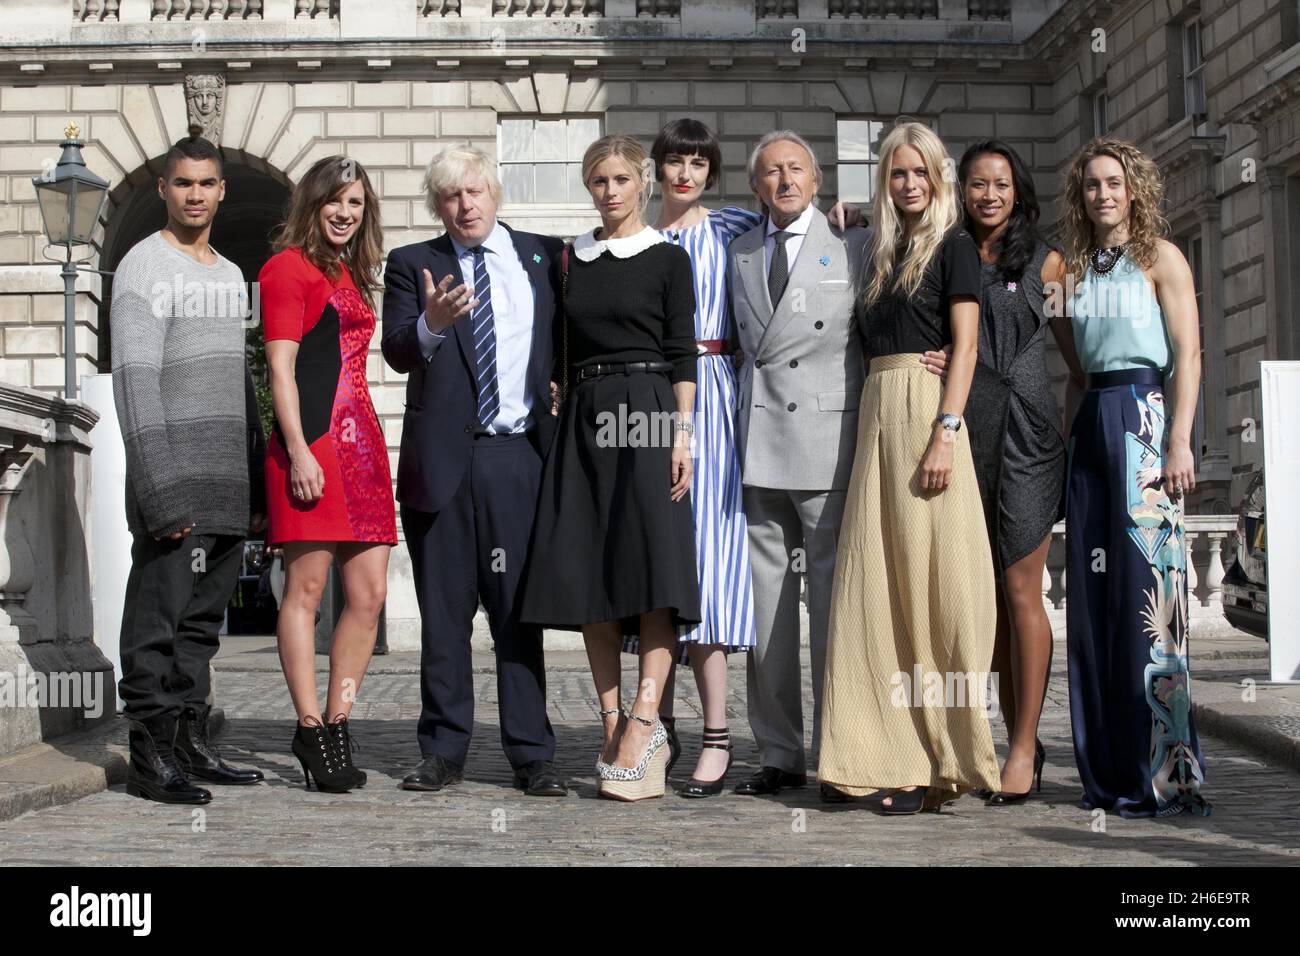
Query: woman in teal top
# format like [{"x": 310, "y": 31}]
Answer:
[{"x": 1133, "y": 318}]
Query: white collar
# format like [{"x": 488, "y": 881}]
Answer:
[
  {"x": 797, "y": 228},
  {"x": 588, "y": 248},
  {"x": 498, "y": 241}
]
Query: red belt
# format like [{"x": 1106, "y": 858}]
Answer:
[{"x": 712, "y": 347}]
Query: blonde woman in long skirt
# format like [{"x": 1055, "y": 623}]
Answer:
[{"x": 913, "y": 611}]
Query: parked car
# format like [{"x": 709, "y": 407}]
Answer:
[{"x": 1245, "y": 585}]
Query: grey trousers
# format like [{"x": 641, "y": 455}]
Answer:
[{"x": 789, "y": 532}]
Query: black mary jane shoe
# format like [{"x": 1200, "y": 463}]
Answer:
[
  {"x": 540, "y": 779},
  {"x": 715, "y": 739}
]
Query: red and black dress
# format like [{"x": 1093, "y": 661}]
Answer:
[{"x": 333, "y": 326}]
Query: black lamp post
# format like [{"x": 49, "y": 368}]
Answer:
[{"x": 71, "y": 197}]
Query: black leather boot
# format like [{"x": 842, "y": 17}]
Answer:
[
  {"x": 341, "y": 736},
  {"x": 199, "y": 757},
  {"x": 320, "y": 764},
  {"x": 153, "y": 773}
]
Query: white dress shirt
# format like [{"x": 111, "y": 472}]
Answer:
[
  {"x": 512, "y": 317},
  {"x": 793, "y": 243}
]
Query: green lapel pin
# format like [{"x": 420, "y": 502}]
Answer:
[{"x": 537, "y": 258}]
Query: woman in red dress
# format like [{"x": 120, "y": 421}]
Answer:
[{"x": 329, "y": 490}]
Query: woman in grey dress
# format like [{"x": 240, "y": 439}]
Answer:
[{"x": 1016, "y": 438}]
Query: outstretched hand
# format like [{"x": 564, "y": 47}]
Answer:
[{"x": 443, "y": 305}]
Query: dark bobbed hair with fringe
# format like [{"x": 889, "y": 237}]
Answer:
[{"x": 688, "y": 137}]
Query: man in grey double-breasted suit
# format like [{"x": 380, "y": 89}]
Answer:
[{"x": 793, "y": 282}]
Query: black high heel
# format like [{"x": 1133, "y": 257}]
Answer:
[
  {"x": 674, "y": 744},
  {"x": 1003, "y": 799},
  {"x": 344, "y": 747},
  {"x": 907, "y": 802},
  {"x": 716, "y": 739},
  {"x": 315, "y": 752}
]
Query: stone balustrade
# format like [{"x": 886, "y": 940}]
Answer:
[
  {"x": 885, "y": 9},
  {"x": 1209, "y": 544},
  {"x": 721, "y": 11},
  {"x": 108, "y": 11},
  {"x": 53, "y": 677}
]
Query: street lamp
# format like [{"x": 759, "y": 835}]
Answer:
[{"x": 71, "y": 197}]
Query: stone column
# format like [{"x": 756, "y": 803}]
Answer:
[{"x": 53, "y": 678}]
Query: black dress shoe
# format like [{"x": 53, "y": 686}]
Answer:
[
  {"x": 153, "y": 773},
  {"x": 198, "y": 757},
  {"x": 433, "y": 773},
  {"x": 831, "y": 795},
  {"x": 770, "y": 780},
  {"x": 539, "y": 779}
]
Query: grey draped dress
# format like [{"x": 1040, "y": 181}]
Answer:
[{"x": 1013, "y": 417}]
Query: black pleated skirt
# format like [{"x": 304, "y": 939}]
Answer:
[{"x": 609, "y": 543}]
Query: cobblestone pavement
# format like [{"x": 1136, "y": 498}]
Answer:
[{"x": 485, "y": 821}]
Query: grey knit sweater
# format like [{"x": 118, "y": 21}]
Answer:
[{"x": 179, "y": 383}]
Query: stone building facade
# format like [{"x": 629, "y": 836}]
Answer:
[{"x": 1208, "y": 88}]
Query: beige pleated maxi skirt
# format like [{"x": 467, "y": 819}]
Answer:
[{"x": 913, "y": 609}]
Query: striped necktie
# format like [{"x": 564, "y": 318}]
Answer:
[{"x": 485, "y": 342}]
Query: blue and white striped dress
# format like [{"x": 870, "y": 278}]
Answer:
[{"x": 721, "y": 540}]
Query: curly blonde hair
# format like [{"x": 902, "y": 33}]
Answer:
[
  {"x": 1146, "y": 222},
  {"x": 940, "y": 216}
]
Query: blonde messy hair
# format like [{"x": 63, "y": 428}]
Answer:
[
  {"x": 1146, "y": 223},
  {"x": 940, "y": 215},
  {"x": 452, "y": 167}
]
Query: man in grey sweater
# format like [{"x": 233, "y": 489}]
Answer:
[{"x": 182, "y": 390}]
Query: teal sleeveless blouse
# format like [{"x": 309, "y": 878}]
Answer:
[{"x": 1117, "y": 321}]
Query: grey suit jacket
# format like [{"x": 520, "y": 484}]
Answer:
[{"x": 803, "y": 371}]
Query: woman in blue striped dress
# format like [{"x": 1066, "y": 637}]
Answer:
[{"x": 687, "y": 162}]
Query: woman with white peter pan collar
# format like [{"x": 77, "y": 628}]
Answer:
[{"x": 613, "y": 549}]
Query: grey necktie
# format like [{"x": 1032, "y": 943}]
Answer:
[{"x": 779, "y": 272}]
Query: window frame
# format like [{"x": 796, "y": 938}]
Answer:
[
  {"x": 581, "y": 203},
  {"x": 872, "y": 163},
  {"x": 1194, "y": 103}
]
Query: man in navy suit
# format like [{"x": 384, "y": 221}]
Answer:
[{"x": 469, "y": 317}]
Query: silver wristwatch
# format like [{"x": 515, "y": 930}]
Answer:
[{"x": 950, "y": 422}]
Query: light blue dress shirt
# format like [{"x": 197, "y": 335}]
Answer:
[{"x": 512, "y": 315}]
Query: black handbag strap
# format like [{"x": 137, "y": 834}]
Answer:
[{"x": 564, "y": 295}]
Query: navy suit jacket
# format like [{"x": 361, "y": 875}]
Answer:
[{"x": 441, "y": 393}]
